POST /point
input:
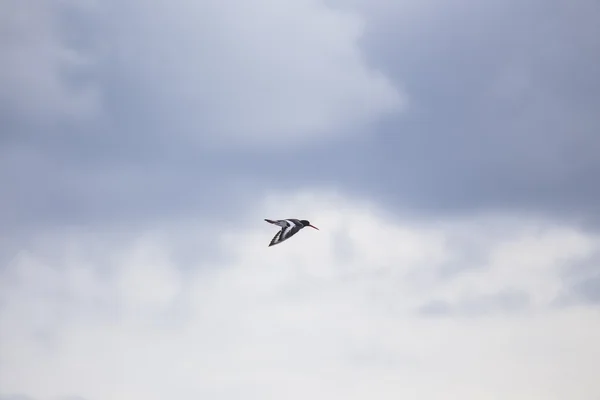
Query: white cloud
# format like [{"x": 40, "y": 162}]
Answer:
[{"x": 328, "y": 314}]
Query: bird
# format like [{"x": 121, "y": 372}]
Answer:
[{"x": 289, "y": 227}]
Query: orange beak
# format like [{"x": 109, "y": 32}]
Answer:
[{"x": 314, "y": 227}]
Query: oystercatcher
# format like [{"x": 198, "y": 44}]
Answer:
[{"x": 289, "y": 227}]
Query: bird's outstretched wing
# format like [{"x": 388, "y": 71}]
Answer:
[
  {"x": 289, "y": 229},
  {"x": 279, "y": 222}
]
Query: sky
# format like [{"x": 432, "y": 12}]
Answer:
[{"x": 448, "y": 153}]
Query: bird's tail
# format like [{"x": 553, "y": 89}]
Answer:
[{"x": 270, "y": 221}]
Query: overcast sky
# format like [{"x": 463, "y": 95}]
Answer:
[{"x": 449, "y": 153}]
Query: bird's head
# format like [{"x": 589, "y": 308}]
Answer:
[{"x": 307, "y": 223}]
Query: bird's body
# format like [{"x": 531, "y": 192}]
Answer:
[{"x": 289, "y": 227}]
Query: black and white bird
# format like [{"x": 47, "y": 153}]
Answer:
[{"x": 289, "y": 227}]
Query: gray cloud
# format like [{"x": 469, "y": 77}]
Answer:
[
  {"x": 506, "y": 301},
  {"x": 122, "y": 117},
  {"x": 176, "y": 107},
  {"x": 503, "y": 99},
  {"x": 33, "y": 85},
  {"x": 501, "y": 113},
  {"x": 589, "y": 289},
  {"x": 581, "y": 282}
]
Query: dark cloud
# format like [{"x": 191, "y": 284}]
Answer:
[
  {"x": 502, "y": 115},
  {"x": 503, "y": 99}
]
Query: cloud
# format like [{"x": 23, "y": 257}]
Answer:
[
  {"x": 247, "y": 75},
  {"x": 582, "y": 282},
  {"x": 139, "y": 142},
  {"x": 105, "y": 316},
  {"x": 500, "y": 117},
  {"x": 504, "y": 301},
  {"x": 503, "y": 100},
  {"x": 35, "y": 82},
  {"x": 172, "y": 84},
  {"x": 256, "y": 74},
  {"x": 15, "y": 397}
]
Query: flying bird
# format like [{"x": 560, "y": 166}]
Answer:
[{"x": 289, "y": 227}]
